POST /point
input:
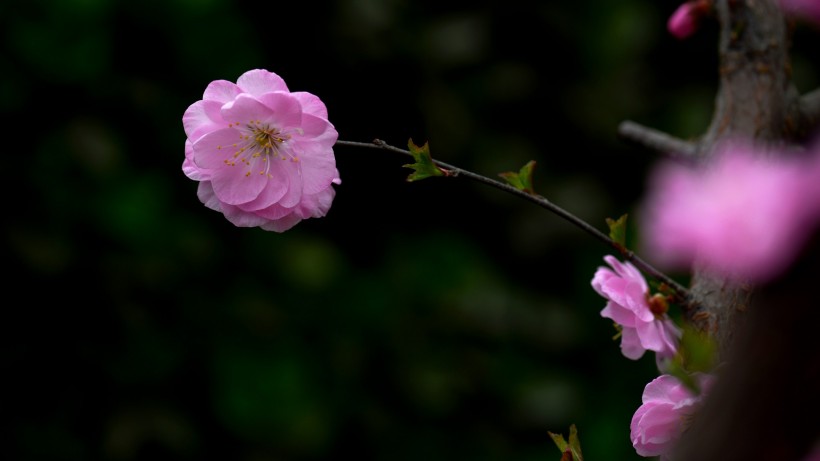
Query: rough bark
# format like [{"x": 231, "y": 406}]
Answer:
[{"x": 754, "y": 97}]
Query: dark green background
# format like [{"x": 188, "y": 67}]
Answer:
[{"x": 425, "y": 321}]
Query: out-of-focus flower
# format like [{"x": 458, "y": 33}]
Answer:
[
  {"x": 263, "y": 155},
  {"x": 809, "y": 9},
  {"x": 814, "y": 454},
  {"x": 686, "y": 19},
  {"x": 746, "y": 214},
  {"x": 643, "y": 321},
  {"x": 660, "y": 420}
]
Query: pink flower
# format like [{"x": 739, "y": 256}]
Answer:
[
  {"x": 809, "y": 9},
  {"x": 685, "y": 20},
  {"x": 746, "y": 215},
  {"x": 644, "y": 325},
  {"x": 263, "y": 155},
  {"x": 659, "y": 422}
]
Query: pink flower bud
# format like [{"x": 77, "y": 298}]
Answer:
[{"x": 685, "y": 20}]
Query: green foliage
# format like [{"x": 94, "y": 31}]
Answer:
[
  {"x": 696, "y": 354},
  {"x": 571, "y": 451},
  {"x": 423, "y": 166},
  {"x": 617, "y": 230},
  {"x": 270, "y": 395},
  {"x": 521, "y": 180}
]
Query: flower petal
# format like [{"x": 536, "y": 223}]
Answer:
[
  {"x": 311, "y": 104},
  {"x": 216, "y": 149},
  {"x": 240, "y": 218},
  {"x": 601, "y": 277},
  {"x": 246, "y": 109},
  {"x": 630, "y": 344},
  {"x": 221, "y": 91},
  {"x": 294, "y": 193},
  {"x": 318, "y": 130},
  {"x": 657, "y": 429},
  {"x": 233, "y": 180},
  {"x": 206, "y": 195},
  {"x": 234, "y": 186},
  {"x": 274, "y": 212},
  {"x": 275, "y": 189},
  {"x": 283, "y": 224},
  {"x": 650, "y": 335},
  {"x": 319, "y": 173},
  {"x": 286, "y": 110},
  {"x": 316, "y": 205},
  {"x": 664, "y": 388},
  {"x": 260, "y": 81},
  {"x": 190, "y": 168},
  {"x": 614, "y": 289},
  {"x": 202, "y": 117},
  {"x": 619, "y": 314},
  {"x": 636, "y": 301}
]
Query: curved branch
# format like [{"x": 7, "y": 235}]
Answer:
[{"x": 682, "y": 293}]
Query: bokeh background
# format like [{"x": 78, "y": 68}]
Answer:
[{"x": 437, "y": 320}]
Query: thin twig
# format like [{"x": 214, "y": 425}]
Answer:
[
  {"x": 683, "y": 293},
  {"x": 657, "y": 141}
]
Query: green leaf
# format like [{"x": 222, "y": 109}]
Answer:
[
  {"x": 424, "y": 166},
  {"x": 617, "y": 230},
  {"x": 521, "y": 180},
  {"x": 559, "y": 441},
  {"x": 696, "y": 354},
  {"x": 699, "y": 350},
  {"x": 575, "y": 444},
  {"x": 571, "y": 450}
]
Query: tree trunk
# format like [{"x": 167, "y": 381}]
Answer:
[
  {"x": 755, "y": 100},
  {"x": 768, "y": 379}
]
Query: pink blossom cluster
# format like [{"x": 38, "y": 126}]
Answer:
[
  {"x": 263, "y": 155},
  {"x": 746, "y": 214},
  {"x": 644, "y": 326},
  {"x": 661, "y": 419}
]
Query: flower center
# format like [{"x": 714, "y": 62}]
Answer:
[
  {"x": 267, "y": 139},
  {"x": 658, "y": 304},
  {"x": 260, "y": 143}
]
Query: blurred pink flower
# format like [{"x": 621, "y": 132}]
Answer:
[
  {"x": 263, "y": 155},
  {"x": 685, "y": 20},
  {"x": 659, "y": 422},
  {"x": 644, "y": 324},
  {"x": 746, "y": 215},
  {"x": 809, "y": 9}
]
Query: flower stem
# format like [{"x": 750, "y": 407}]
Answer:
[{"x": 682, "y": 293}]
